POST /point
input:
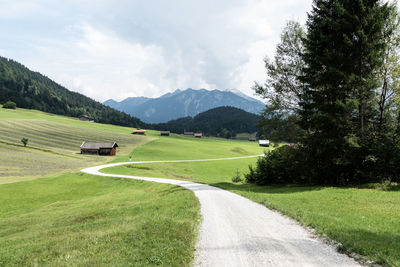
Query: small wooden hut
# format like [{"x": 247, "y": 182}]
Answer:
[
  {"x": 84, "y": 118},
  {"x": 165, "y": 133},
  {"x": 188, "y": 133},
  {"x": 198, "y": 135},
  {"x": 104, "y": 149},
  {"x": 141, "y": 132}
]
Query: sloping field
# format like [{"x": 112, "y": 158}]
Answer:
[
  {"x": 54, "y": 143},
  {"x": 84, "y": 220}
]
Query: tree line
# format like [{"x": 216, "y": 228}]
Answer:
[
  {"x": 333, "y": 88},
  {"x": 224, "y": 122}
]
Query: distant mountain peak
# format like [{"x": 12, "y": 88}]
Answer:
[{"x": 183, "y": 103}]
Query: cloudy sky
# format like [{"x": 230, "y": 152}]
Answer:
[{"x": 117, "y": 49}]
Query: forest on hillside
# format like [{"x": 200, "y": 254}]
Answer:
[
  {"x": 224, "y": 122},
  {"x": 33, "y": 90}
]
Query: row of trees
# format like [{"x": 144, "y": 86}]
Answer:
[{"x": 334, "y": 88}]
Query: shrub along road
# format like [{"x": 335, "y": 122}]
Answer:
[{"x": 238, "y": 232}]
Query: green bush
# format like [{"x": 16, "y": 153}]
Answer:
[
  {"x": 10, "y": 105},
  {"x": 237, "y": 178},
  {"x": 24, "y": 141},
  {"x": 283, "y": 165}
]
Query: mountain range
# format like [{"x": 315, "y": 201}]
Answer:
[{"x": 184, "y": 103}]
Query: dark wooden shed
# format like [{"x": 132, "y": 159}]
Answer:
[
  {"x": 188, "y": 133},
  {"x": 165, "y": 133},
  {"x": 84, "y": 118},
  {"x": 104, "y": 149}
]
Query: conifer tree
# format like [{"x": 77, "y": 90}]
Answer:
[{"x": 343, "y": 52}]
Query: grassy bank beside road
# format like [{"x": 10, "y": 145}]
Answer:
[
  {"x": 79, "y": 219},
  {"x": 364, "y": 221}
]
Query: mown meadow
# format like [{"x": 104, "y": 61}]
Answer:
[{"x": 51, "y": 214}]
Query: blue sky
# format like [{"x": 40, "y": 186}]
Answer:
[{"x": 117, "y": 49}]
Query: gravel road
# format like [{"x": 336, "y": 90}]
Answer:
[{"x": 236, "y": 231}]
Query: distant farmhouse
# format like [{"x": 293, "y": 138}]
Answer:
[
  {"x": 188, "y": 133},
  {"x": 198, "y": 135},
  {"x": 165, "y": 133},
  {"x": 85, "y": 118},
  {"x": 104, "y": 149},
  {"x": 263, "y": 143},
  {"x": 141, "y": 132}
]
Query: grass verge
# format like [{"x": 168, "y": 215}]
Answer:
[
  {"x": 365, "y": 221},
  {"x": 79, "y": 219}
]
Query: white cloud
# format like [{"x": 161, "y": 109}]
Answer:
[{"x": 136, "y": 48}]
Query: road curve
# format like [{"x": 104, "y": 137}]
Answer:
[{"x": 236, "y": 231}]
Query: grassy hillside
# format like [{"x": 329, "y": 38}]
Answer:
[
  {"x": 54, "y": 143},
  {"x": 33, "y": 90},
  {"x": 78, "y": 219}
]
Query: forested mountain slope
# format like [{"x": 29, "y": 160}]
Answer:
[
  {"x": 35, "y": 91},
  {"x": 222, "y": 121}
]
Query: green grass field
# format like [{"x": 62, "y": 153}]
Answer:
[
  {"x": 54, "y": 143},
  {"x": 68, "y": 219},
  {"x": 76, "y": 219},
  {"x": 364, "y": 221},
  {"x": 183, "y": 147},
  {"x": 84, "y": 220}
]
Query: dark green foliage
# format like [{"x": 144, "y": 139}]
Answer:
[
  {"x": 277, "y": 126},
  {"x": 32, "y": 90},
  {"x": 24, "y": 141},
  {"x": 222, "y": 121},
  {"x": 10, "y": 105},
  {"x": 284, "y": 165},
  {"x": 350, "y": 134},
  {"x": 344, "y": 49}
]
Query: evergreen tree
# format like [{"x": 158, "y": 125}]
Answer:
[{"x": 343, "y": 51}]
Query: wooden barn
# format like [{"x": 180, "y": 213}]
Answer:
[
  {"x": 104, "y": 149},
  {"x": 141, "y": 132},
  {"x": 188, "y": 133},
  {"x": 165, "y": 133},
  {"x": 198, "y": 135},
  {"x": 84, "y": 118}
]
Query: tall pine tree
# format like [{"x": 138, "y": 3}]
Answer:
[{"x": 343, "y": 51}]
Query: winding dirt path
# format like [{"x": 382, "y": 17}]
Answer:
[{"x": 236, "y": 231}]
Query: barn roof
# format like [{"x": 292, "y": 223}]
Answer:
[{"x": 92, "y": 145}]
